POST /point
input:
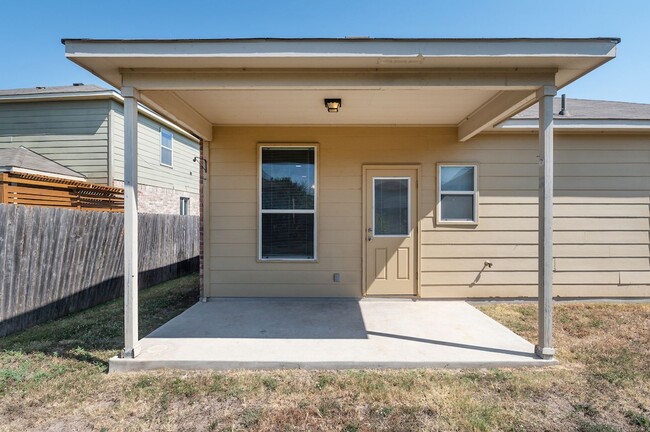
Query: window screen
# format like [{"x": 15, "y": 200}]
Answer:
[{"x": 457, "y": 193}]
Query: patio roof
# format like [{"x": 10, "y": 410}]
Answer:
[{"x": 472, "y": 84}]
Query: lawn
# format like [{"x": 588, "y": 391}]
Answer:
[{"x": 53, "y": 377}]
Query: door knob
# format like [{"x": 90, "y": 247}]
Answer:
[{"x": 369, "y": 238}]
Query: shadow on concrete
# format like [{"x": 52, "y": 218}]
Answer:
[
  {"x": 454, "y": 344},
  {"x": 268, "y": 319}
]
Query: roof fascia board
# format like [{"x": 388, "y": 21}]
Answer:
[
  {"x": 339, "y": 47},
  {"x": 340, "y": 80},
  {"x": 109, "y": 94}
]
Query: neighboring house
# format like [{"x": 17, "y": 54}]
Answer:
[
  {"x": 25, "y": 161},
  {"x": 384, "y": 167},
  {"x": 28, "y": 178},
  {"x": 82, "y": 128}
]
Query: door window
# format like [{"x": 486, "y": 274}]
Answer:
[{"x": 391, "y": 206}]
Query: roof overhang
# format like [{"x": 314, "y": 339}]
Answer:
[{"x": 472, "y": 84}]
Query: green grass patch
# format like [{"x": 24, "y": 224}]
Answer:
[
  {"x": 638, "y": 419},
  {"x": 84, "y": 341}
]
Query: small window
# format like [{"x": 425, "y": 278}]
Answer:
[
  {"x": 185, "y": 206},
  {"x": 166, "y": 147},
  {"x": 457, "y": 194},
  {"x": 287, "y": 222}
]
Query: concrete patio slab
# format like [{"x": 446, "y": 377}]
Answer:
[{"x": 330, "y": 334}]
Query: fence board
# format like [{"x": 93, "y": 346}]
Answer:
[{"x": 58, "y": 261}]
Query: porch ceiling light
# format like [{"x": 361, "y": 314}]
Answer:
[{"x": 333, "y": 105}]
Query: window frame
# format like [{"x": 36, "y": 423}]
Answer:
[
  {"x": 440, "y": 192},
  {"x": 374, "y": 230},
  {"x": 171, "y": 149},
  {"x": 261, "y": 211},
  {"x": 185, "y": 204}
]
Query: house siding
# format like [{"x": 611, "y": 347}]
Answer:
[
  {"x": 72, "y": 133},
  {"x": 602, "y": 217},
  {"x": 183, "y": 176}
]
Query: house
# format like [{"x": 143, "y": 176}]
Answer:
[
  {"x": 21, "y": 160},
  {"x": 81, "y": 127},
  {"x": 395, "y": 167}
]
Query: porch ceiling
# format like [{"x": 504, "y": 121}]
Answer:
[
  {"x": 360, "y": 107},
  {"x": 470, "y": 83}
]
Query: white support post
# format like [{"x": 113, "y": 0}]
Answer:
[
  {"x": 205, "y": 215},
  {"x": 131, "y": 346},
  {"x": 544, "y": 347}
]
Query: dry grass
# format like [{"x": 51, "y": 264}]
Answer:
[{"x": 53, "y": 378}]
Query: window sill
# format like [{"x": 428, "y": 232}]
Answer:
[
  {"x": 452, "y": 223},
  {"x": 288, "y": 260}
]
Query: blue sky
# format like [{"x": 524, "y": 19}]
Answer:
[{"x": 31, "y": 30}]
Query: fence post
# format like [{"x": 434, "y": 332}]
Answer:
[{"x": 3, "y": 188}]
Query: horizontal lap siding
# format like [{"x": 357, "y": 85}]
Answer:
[
  {"x": 601, "y": 222},
  {"x": 233, "y": 208},
  {"x": 601, "y": 215},
  {"x": 72, "y": 133},
  {"x": 183, "y": 175}
]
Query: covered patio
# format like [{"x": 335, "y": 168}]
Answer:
[
  {"x": 331, "y": 334},
  {"x": 465, "y": 85}
]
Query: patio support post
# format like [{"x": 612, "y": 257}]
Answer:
[
  {"x": 544, "y": 348},
  {"x": 131, "y": 348}
]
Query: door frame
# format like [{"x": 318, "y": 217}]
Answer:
[{"x": 418, "y": 226}]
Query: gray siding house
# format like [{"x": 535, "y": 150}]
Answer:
[{"x": 82, "y": 128}]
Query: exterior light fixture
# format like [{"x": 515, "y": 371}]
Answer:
[{"x": 333, "y": 105}]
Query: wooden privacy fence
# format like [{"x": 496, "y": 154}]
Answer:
[
  {"x": 54, "y": 262},
  {"x": 33, "y": 189}
]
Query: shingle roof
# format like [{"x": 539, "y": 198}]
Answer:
[
  {"x": 22, "y": 157},
  {"x": 592, "y": 109},
  {"x": 82, "y": 88}
]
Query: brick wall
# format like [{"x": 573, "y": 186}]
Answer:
[{"x": 153, "y": 199}]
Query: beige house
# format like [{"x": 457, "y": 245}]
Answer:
[
  {"x": 82, "y": 128},
  {"x": 388, "y": 167}
]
